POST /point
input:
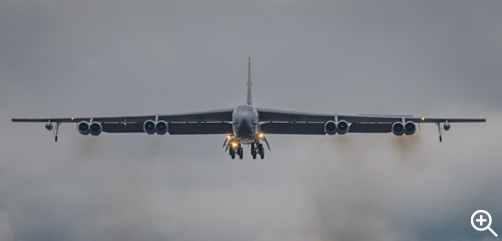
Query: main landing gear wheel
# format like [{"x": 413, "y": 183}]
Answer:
[
  {"x": 240, "y": 152},
  {"x": 232, "y": 153},
  {"x": 253, "y": 151},
  {"x": 261, "y": 151}
]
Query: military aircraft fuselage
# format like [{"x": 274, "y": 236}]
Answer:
[{"x": 245, "y": 124}]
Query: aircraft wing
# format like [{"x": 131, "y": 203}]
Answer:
[
  {"x": 207, "y": 122},
  {"x": 292, "y": 122},
  {"x": 318, "y": 128},
  {"x": 174, "y": 128}
]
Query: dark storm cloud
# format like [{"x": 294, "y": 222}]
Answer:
[{"x": 93, "y": 58}]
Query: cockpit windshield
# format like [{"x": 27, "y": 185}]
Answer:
[{"x": 244, "y": 108}]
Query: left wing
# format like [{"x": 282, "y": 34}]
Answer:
[
  {"x": 174, "y": 128},
  {"x": 208, "y": 122},
  {"x": 207, "y": 116}
]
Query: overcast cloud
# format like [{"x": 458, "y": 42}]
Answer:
[{"x": 95, "y": 58}]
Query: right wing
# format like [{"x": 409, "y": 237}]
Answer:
[
  {"x": 268, "y": 115},
  {"x": 318, "y": 128},
  {"x": 293, "y": 122}
]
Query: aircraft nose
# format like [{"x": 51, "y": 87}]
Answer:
[{"x": 245, "y": 129}]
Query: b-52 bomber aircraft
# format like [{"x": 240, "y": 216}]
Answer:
[{"x": 247, "y": 125}]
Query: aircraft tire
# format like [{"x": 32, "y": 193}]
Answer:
[
  {"x": 253, "y": 151},
  {"x": 232, "y": 153}
]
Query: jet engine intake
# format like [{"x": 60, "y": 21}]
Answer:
[
  {"x": 149, "y": 127},
  {"x": 83, "y": 128},
  {"x": 96, "y": 128},
  {"x": 410, "y": 128},
  {"x": 398, "y": 128},
  {"x": 342, "y": 127},
  {"x": 161, "y": 127},
  {"x": 330, "y": 127}
]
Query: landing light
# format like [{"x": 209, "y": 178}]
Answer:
[
  {"x": 72, "y": 119},
  {"x": 423, "y": 119},
  {"x": 228, "y": 137},
  {"x": 234, "y": 144},
  {"x": 260, "y": 135}
]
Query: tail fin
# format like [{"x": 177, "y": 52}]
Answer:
[{"x": 249, "y": 100}]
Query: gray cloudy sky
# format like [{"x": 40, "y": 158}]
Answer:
[{"x": 93, "y": 58}]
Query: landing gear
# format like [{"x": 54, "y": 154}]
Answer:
[
  {"x": 236, "y": 150},
  {"x": 56, "y": 132},
  {"x": 440, "y": 130},
  {"x": 232, "y": 153},
  {"x": 240, "y": 152},
  {"x": 253, "y": 151},
  {"x": 261, "y": 151}
]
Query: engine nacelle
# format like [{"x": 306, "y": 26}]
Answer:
[
  {"x": 330, "y": 127},
  {"x": 83, "y": 128},
  {"x": 342, "y": 127},
  {"x": 410, "y": 128},
  {"x": 149, "y": 127},
  {"x": 398, "y": 128},
  {"x": 161, "y": 128},
  {"x": 446, "y": 126},
  {"x": 96, "y": 128}
]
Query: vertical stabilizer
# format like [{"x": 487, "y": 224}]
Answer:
[{"x": 249, "y": 100}]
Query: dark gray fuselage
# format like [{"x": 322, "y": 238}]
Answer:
[{"x": 245, "y": 124}]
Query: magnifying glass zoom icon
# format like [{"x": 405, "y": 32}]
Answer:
[{"x": 481, "y": 220}]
